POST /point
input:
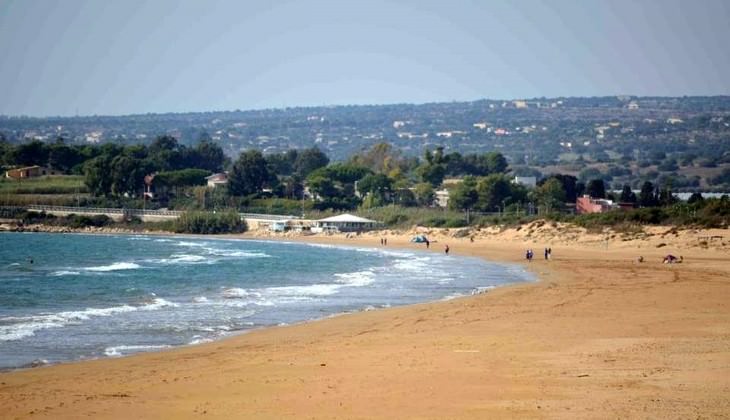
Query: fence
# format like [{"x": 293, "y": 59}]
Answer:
[{"x": 129, "y": 212}]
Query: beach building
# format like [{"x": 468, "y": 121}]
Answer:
[
  {"x": 30, "y": 172},
  {"x": 343, "y": 223}
]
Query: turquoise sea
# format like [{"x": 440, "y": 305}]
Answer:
[{"x": 91, "y": 296}]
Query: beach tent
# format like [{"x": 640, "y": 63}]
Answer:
[{"x": 419, "y": 239}]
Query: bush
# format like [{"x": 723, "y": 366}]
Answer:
[
  {"x": 445, "y": 222},
  {"x": 81, "y": 221},
  {"x": 210, "y": 223}
]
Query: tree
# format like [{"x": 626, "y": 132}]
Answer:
[
  {"x": 424, "y": 194},
  {"x": 404, "y": 197},
  {"x": 493, "y": 191},
  {"x": 294, "y": 188},
  {"x": 127, "y": 175},
  {"x": 496, "y": 163},
  {"x": 570, "y": 184},
  {"x": 550, "y": 195},
  {"x": 282, "y": 164},
  {"x": 647, "y": 197},
  {"x": 665, "y": 196},
  {"x": 596, "y": 188},
  {"x": 32, "y": 153},
  {"x": 308, "y": 160},
  {"x": 375, "y": 184},
  {"x": 166, "y": 154},
  {"x": 432, "y": 173},
  {"x": 97, "y": 175},
  {"x": 63, "y": 157},
  {"x": 208, "y": 156},
  {"x": 382, "y": 157},
  {"x": 695, "y": 198},
  {"x": 322, "y": 186},
  {"x": 249, "y": 174},
  {"x": 464, "y": 196},
  {"x": 627, "y": 196}
]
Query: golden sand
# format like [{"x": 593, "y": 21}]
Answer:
[{"x": 600, "y": 336}]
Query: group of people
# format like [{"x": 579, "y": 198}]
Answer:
[
  {"x": 383, "y": 241},
  {"x": 529, "y": 254}
]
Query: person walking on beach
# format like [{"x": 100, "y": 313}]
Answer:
[
  {"x": 446, "y": 250},
  {"x": 547, "y": 254},
  {"x": 385, "y": 241},
  {"x": 428, "y": 244},
  {"x": 550, "y": 253}
]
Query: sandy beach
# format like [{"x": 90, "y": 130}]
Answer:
[{"x": 599, "y": 336}]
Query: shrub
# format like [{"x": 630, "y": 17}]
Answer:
[{"x": 210, "y": 223}]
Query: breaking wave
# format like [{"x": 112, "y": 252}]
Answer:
[
  {"x": 16, "y": 328},
  {"x": 114, "y": 267}
]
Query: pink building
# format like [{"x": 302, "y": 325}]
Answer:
[{"x": 587, "y": 204}]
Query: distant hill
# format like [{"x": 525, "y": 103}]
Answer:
[{"x": 538, "y": 131}]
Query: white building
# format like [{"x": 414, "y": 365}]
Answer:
[
  {"x": 527, "y": 181},
  {"x": 217, "y": 180}
]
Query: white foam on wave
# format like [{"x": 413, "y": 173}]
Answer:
[
  {"x": 200, "y": 299},
  {"x": 158, "y": 303},
  {"x": 117, "y": 351},
  {"x": 64, "y": 273},
  {"x": 309, "y": 290},
  {"x": 139, "y": 238},
  {"x": 356, "y": 279},
  {"x": 114, "y": 267},
  {"x": 236, "y": 253},
  {"x": 237, "y": 293},
  {"x": 416, "y": 264},
  {"x": 192, "y": 244},
  {"x": 26, "y": 326},
  {"x": 199, "y": 340},
  {"x": 186, "y": 258},
  {"x": 327, "y": 246}
]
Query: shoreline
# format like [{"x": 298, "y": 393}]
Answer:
[
  {"x": 299, "y": 240},
  {"x": 597, "y": 335}
]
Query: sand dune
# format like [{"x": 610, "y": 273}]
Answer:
[{"x": 600, "y": 336}]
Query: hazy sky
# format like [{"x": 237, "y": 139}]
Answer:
[{"x": 121, "y": 57}]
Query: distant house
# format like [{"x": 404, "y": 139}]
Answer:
[
  {"x": 217, "y": 180},
  {"x": 30, "y": 172},
  {"x": 586, "y": 204},
  {"x": 441, "y": 198},
  {"x": 343, "y": 223},
  {"x": 527, "y": 181}
]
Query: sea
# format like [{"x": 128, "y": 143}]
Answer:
[{"x": 67, "y": 297}]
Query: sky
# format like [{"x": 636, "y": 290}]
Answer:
[{"x": 100, "y": 57}]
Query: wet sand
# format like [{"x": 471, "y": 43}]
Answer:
[{"x": 599, "y": 336}]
